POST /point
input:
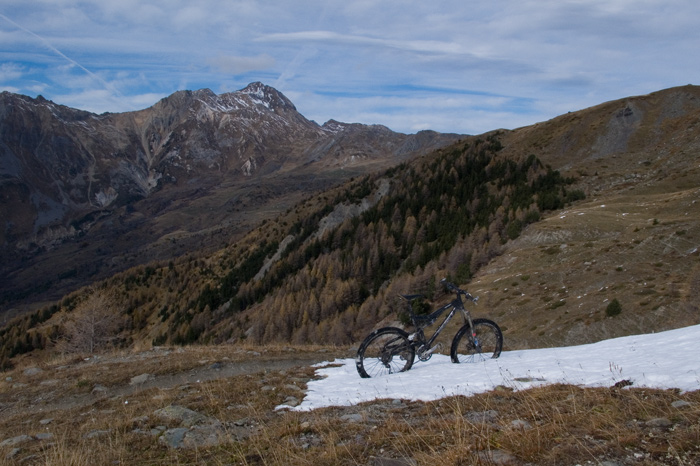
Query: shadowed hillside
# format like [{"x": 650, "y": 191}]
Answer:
[
  {"x": 548, "y": 224},
  {"x": 84, "y": 196}
]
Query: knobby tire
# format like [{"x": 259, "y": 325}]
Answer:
[
  {"x": 487, "y": 344},
  {"x": 385, "y": 351}
]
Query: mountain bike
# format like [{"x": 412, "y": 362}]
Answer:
[{"x": 389, "y": 350}]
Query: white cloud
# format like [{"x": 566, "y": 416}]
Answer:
[
  {"x": 326, "y": 37},
  {"x": 239, "y": 65},
  {"x": 522, "y": 60},
  {"x": 190, "y": 16},
  {"x": 10, "y": 71}
]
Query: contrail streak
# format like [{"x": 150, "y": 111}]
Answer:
[{"x": 48, "y": 45}]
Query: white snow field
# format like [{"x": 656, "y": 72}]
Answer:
[{"x": 659, "y": 360}]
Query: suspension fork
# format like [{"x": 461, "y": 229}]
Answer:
[
  {"x": 467, "y": 317},
  {"x": 472, "y": 331}
]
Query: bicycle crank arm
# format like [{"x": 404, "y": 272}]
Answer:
[{"x": 425, "y": 355}]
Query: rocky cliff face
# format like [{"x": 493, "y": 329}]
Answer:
[{"x": 67, "y": 174}]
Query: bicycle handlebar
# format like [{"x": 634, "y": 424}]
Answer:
[{"x": 452, "y": 287}]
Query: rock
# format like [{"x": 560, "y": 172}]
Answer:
[
  {"x": 292, "y": 401},
  {"x": 32, "y": 371},
  {"x": 659, "y": 422},
  {"x": 519, "y": 424},
  {"x": 99, "y": 390},
  {"x": 351, "y": 418},
  {"x": 44, "y": 436},
  {"x": 498, "y": 457},
  {"x": 204, "y": 436},
  {"x": 680, "y": 404},
  {"x": 181, "y": 415},
  {"x": 196, "y": 437},
  {"x": 96, "y": 433},
  {"x": 173, "y": 438},
  {"x": 503, "y": 388},
  {"x": 46, "y": 421},
  {"x": 20, "y": 439},
  {"x": 196, "y": 431},
  {"x": 140, "y": 379},
  {"x": 241, "y": 429}
]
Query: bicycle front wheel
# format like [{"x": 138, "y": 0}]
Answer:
[
  {"x": 384, "y": 351},
  {"x": 485, "y": 343}
]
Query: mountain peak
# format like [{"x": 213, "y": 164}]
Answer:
[
  {"x": 267, "y": 96},
  {"x": 256, "y": 87}
]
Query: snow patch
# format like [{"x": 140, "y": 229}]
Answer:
[
  {"x": 249, "y": 167},
  {"x": 106, "y": 197},
  {"x": 659, "y": 360}
]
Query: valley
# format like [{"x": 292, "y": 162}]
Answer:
[{"x": 86, "y": 196}]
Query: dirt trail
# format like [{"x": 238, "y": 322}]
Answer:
[{"x": 23, "y": 398}]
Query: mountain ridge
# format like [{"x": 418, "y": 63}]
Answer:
[{"x": 67, "y": 174}]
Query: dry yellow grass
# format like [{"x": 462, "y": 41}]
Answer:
[
  {"x": 552, "y": 285},
  {"x": 69, "y": 421}
]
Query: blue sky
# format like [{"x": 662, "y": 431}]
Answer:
[{"x": 453, "y": 66}]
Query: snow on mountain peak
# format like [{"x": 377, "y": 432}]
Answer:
[{"x": 267, "y": 96}]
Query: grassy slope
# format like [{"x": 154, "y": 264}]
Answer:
[
  {"x": 84, "y": 412},
  {"x": 553, "y": 284},
  {"x": 635, "y": 238}
]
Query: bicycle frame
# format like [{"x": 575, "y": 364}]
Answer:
[
  {"x": 391, "y": 349},
  {"x": 418, "y": 337}
]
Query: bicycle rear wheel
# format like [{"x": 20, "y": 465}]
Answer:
[
  {"x": 384, "y": 351},
  {"x": 486, "y": 343}
]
